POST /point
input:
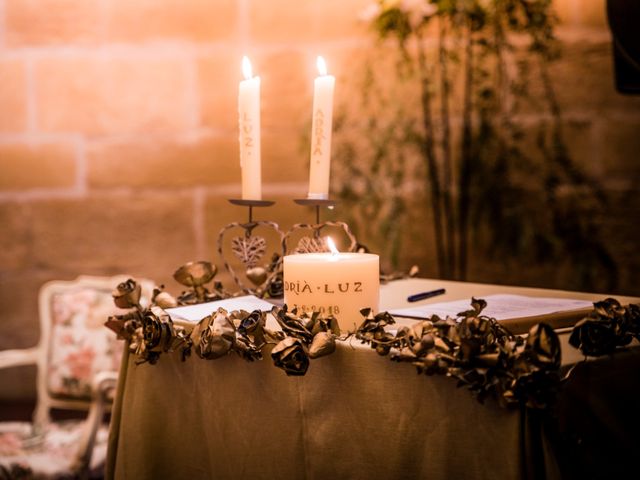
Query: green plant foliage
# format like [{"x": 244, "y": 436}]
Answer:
[{"x": 447, "y": 131}]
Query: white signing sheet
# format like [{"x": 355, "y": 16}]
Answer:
[
  {"x": 501, "y": 307},
  {"x": 195, "y": 313}
]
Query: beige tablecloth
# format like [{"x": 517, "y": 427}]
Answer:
[{"x": 354, "y": 415}]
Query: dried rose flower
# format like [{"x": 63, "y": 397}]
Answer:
[
  {"x": 250, "y": 332},
  {"x": 214, "y": 336},
  {"x": 127, "y": 294},
  {"x": 475, "y": 335},
  {"x": 251, "y": 322},
  {"x": 417, "y": 337},
  {"x": 594, "y": 337},
  {"x": 632, "y": 320},
  {"x": 157, "y": 329},
  {"x": 543, "y": 346},
  {"x": 290, "y": 355},
  {"x": 294, "y": 324},
  {"x": 374, "y": 322}
]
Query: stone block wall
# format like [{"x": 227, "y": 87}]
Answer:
[{"x": 118, "y": 132}]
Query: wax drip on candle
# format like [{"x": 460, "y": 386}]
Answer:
[{"x": 332, "y": 246}]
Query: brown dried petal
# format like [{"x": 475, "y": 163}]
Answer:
[
  {"x": 477, "y": 305},
  {"x": 136, "y": 345},
  {"x": 440, "y": 344},
  {"x": 424, "y": 344},
  {"x": 247, "y": 349},
  {"x": 382, "y": 349},
  {"x": 404, "y": 356},
  {"x": 489, "y": 359},
  {"x": 324, "y": 343},
  {"x": 607, "y": 307},
  {"x": 116, "y": 325},
  {"x": 374, "y": 322},
  {"x": 165, "y": 300}
]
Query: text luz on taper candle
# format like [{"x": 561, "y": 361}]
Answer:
[{"x": 249, "y": 135}]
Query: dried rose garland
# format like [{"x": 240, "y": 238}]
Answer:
[
  {"x": 473, "y": 348},
  {"x": 477, "y": 350},
  {"x": 151, "y": 332},
  {"x": 608, "y": 326}
]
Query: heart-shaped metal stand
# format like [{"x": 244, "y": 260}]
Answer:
[
  {"x": 250, "y": 250},
  {"x": 314, "y": 242}
]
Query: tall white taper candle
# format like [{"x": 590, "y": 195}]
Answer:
[
  {"x": 320, "y": 163},
  {"x": 249, "y": 124}
]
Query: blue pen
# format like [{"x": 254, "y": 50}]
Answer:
[{"x": 424, "y": 295}]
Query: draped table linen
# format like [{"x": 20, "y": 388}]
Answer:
[{"x": 354, "y": 415}]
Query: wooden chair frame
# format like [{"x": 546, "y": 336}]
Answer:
[{"x": 40, "y": 355}]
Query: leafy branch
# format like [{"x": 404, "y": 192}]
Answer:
[{"x": 492, "y": 182}]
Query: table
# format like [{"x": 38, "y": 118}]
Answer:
[{"x": 354, "y": 415}]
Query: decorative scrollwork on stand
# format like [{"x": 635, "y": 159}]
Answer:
[{"x": 315, "y": 242}]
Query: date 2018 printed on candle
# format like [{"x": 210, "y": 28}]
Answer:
[{"x": 323, "y": 309}]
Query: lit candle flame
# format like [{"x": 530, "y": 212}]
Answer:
[
  {"x": 332, "y": 246},
  {"x": 322, "y": 65},
  {"x": 246, "y": 68}
]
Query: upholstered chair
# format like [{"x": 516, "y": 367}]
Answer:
[{"x": 77, "y": 359}]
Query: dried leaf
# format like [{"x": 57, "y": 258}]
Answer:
[
  {"x": 311, "y": 245},
  {"x": 249, "y": 250}
]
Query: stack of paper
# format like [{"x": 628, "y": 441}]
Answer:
[
  {"x": 195, "y": 313},
  {"x": 517, "y": 311}
]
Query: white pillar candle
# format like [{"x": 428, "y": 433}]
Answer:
[
  {"x": 339, "y": 284},
  {"x": 320, "y": 163},
  {"x": 249, "y": 123}
]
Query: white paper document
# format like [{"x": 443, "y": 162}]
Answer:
[
  {"x": 501, "y": 307},
  {"x": 195, "y": 313}
]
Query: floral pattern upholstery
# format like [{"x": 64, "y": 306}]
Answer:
[
  {"x": 80, "y": 346},
  {"x": 24, "y": 455}
]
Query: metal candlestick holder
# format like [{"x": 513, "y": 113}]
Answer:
[
  {"x": 314, "y": 242},
  {"x": 250, "y": 250}
]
